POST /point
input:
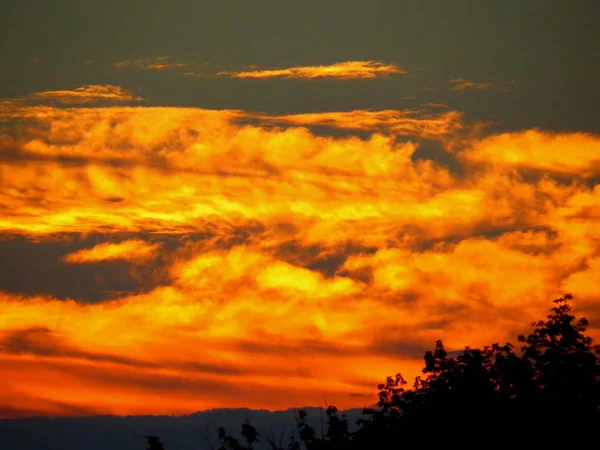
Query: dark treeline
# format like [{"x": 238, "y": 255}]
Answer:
[{"x": 547, "y": 394}]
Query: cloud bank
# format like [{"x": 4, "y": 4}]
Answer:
[{"x": 285, "y": 265}]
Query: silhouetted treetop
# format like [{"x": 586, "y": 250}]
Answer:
[{"x": 547, "y": 395}]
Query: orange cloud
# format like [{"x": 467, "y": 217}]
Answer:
[
  {"x": 297, "y": 263},
  {"x": 78, "y": 96},
  {"x": 402, "y": 123},
  {"x": 562, "y": 153},
  {"x": 156, "y": 63},
  {"x": 462, "y": 84},
  {"x": 343, "y": 70},
  {"x": 87, "y": 94},
  {"x": 435, "y": 105},
  {"x": 105, "y": 186},
  {"x": 134, "y": 250}
]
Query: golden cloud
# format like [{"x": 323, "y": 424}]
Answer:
[
  {"x": 78, "y": 96},
  {"x": 134, "y": 250},
  {"x": 342, "y": 70},
  {"x": 401, "y": 123},
  {"x": 308, "y": 265},
  {"x": 564, "y": 153},
  {"x": 462, "y": 84}
]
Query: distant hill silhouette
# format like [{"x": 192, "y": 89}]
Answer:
[{"x": 119, "y": 433}]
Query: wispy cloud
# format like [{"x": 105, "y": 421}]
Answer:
[
  {"x": 134, "y": 250},
  {"x": 435, "y": 105},
  {"x": 155, "y": 63},
  {"x": 342, "y": 70},
  {"x": 399, "y": 122},
  {"x": 82, "y": 95},
  {"x": 196, "y": 74},
  {"x": 462, "y": 84}
]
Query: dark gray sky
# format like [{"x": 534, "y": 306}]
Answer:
[{"x": 548, "y": 49}]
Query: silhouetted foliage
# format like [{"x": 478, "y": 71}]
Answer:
[
  {"x": 566, "y": 369},
  {"x": 549, "y": 394},
  {"x": 154, "y": 443}
]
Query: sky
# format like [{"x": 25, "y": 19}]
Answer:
[{"x": 272, "y": 204}]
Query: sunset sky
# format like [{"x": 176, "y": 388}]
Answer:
[{"x": 278, "y": 203}]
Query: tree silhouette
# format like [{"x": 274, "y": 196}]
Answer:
[
  {"x": 228, "y": 442},
  {"x": 547, "y": 395},
  {"x": 566, "y": 369},
  {"x": 154, "y": 443}
]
